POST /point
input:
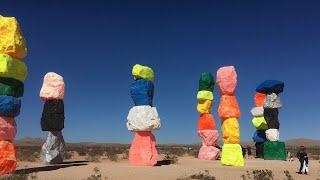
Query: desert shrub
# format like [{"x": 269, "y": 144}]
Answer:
[
  {"x": 81, "y": 150},
  {"x": 288, "y": 175},
  {"x": 201, "y": 175},
  {"x": 125, "y": 154},
  {"x": 258, "y": 175},
  {"x": 68, "y": 155},
  {"x": 97, "y": 175},
  {"x": 28, "y": 153},
  {"x": 93, "y": 156},
  {"x": 112, "y": 155},
  {"x": 193, "y": 152},
  {"x": 32, "y": 176},
  {"x": 172, "y": 158}
]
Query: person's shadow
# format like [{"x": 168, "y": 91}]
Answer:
[{"x": 51, "y": 167}]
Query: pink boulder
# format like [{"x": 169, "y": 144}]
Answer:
[
  {"x": 143, "y": 150},
  {"x": 208, "y": 137},
  {"x": 8, "y": 128},
  {"x": 53, "y": 87},
  {"x": 208, "y": 153},
  {"x": 227, "y": 80}
]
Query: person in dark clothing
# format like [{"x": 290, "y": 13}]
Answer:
[{"x": 303, "y": 158}]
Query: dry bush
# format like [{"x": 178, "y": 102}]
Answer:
[
  {"x": 28, "y": 153},
  {"x": 68, "y": 155},
  {"x": 97, "y": 175},
  {"x": 200, "y": 175},
  {"x": 112, "y": 155},
  {"x": 258, "y": 175},
  {"x": 32, "y": 176},
  {"x": 172, "y": 158},
  {"x": 288, "y": 175}
]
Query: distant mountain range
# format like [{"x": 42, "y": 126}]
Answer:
[{"x": 30, "y": 141}]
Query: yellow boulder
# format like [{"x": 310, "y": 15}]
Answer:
[
  {"x": 142, "y": 72},
  {"x": 205, "y": 95},
  {"x": 12, "y": 68},
  {"x": 232, "y": 155},
  {"x": 231, "y": 131},
  {"x": 12, "y": 41},
  {"x": 204, "y": 106}
]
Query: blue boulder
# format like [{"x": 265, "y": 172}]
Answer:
[
  {"x": 9, "y": 106},
  {"x": 270, "y": 86},
  {"x": 141, "y": 91},
  {"x": 259, "y": 136}
]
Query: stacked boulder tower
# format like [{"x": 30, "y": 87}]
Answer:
[
  {"x": 273, "y": 149},
  {"x": 229, "y": 114},
  {"x": 13, "y": 72},
  {"x": 143, "y": 118},
  {"x": 259, "y": 123},
  {"x": 206, "y": 125},
  {"x": 52, "y": 120}
]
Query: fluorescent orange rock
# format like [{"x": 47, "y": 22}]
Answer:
[
  {"x": 8, "y": 128},
  {"x": 143, "y": 150},
  {"x": 227, "y": 80},
  {"x": 206, "y": 122},
  {"x": 208, "y": 137},
  {"x": 259, "y": 99},
  {"x": 208, "y": 153},
  {"x": 8, "y": 158},
  {"x": 228, "y": 107},
  {"x": 231, "y": 131}
]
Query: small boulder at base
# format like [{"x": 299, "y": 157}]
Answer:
[
  {"x": 53, "y": 150},
  {"x": 8, "y": 159},
  {"x": 232, "y": 155},
  {"x": 208, "y": 153},
  {"x": 143, "y": 150},
  {"x": 274, "y": 150}
]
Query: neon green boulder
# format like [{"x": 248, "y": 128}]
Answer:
[
  {"x": 232, "y": 155},
  {"x": 142, "y": 72},
  {"x": 12, "y": 68},
  {"x": 260, "y": 123},
  {"x": 205, "y": 95}
]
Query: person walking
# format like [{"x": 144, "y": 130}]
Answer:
[{"x": 303, "y": 158}]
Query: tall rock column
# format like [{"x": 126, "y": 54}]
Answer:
[
  {"x": 259, "y": 123},
  {"x": 229, "y": 114},
  {"x": 273, "y": 149},
  {"x": 13, "y": 72},
  {"x": 143, "y": 118},
  {"x": 206, "y": 126},
  {"x": 52, "y": 120}
]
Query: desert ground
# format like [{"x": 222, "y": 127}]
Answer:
[{"x": 186, "y": 166}]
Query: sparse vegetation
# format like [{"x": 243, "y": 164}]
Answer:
[
  {"x": 172, "y": 158},
  {"x": 32, "y": 176},
  {"x": 201, "y": 176},
  {"x": 28, "y": 153},
  {"x": 263, "y": 174},
  {"x": 68, "y": 155},
  {"x": 97, "y": 175},
  {"x": 288, "y": 175}
]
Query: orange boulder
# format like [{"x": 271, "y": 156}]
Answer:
[
  {"x": 206, "y": 122},
  {"x": 143, "y": 150},
  {"x": 259, "y": 99},
  {"x": 228, "y": 107},
  {"x": 8, "y": 159}
]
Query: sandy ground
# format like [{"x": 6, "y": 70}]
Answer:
[{"x": 186, "y": 166}]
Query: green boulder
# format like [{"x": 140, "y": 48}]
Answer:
[
  {"x": 274, "y": 150},
  {"x": 206, "y": 82},
  {"x": 11, "y": 87}
]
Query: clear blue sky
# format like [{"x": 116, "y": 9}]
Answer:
[{"x": 94, "y": 44}]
